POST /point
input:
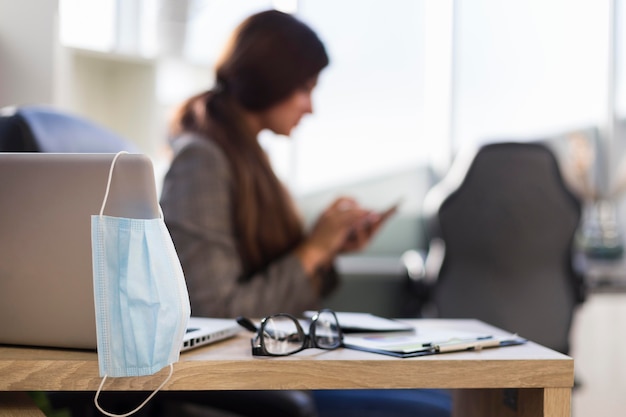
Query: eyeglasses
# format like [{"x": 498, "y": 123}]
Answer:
[{"x": 281, "y": 334}]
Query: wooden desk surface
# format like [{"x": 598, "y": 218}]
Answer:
[{"x": 229, "y": 365}]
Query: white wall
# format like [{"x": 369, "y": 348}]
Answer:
[
  {"x": 27, "y": 51},
  {"x": 117, "y": 93},
  {"x": 113, "y": 90}
]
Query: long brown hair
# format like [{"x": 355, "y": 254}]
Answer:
[{"x": 269, "y": 56}]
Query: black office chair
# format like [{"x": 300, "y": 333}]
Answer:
[
  {"x": 45, "y": 129},
  {"x": 505, "y": 224}
]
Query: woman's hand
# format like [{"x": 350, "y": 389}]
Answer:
[
  {"x": 330, "y": 233},
  {"x": 343, "y": 227},
  {"x": 364, "y": 229}
]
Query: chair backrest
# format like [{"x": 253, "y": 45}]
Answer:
[
  {"x": 508, "y": 223},
  {"x": 44, "y": 129}
]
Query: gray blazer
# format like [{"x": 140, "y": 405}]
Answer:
[{"x": 197, "y": 205}]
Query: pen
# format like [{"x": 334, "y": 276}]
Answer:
[{"x": 475, "y": 344}]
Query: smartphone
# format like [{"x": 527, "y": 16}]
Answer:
[
  {"x": 391, "y": 210},
  {"x": 384, "y": 215}
]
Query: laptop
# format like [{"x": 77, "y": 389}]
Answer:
[{"x": 46, "y": 278}]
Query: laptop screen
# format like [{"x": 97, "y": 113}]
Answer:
[{"x": 46, "y": 200}]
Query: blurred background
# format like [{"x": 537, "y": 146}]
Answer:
[{"x": 411, "y": 83}]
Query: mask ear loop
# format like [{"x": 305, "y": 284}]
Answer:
[
  {"x": 106, "y": 193},
  {"x": 95, "y": 400},
  {"x": 140, "y": 406}
]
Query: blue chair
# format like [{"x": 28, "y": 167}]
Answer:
[{"x": 45, "y": 129}]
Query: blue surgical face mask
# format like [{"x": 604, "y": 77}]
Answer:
[{"x": 141, "y": 299}]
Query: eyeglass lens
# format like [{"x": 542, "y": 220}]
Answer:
[
  {"x": 326, "y": 332},
  {"x": 281, "y": 335}
]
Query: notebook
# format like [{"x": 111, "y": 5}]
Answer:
[
  {"x": 46, "y": 282},
  {"x": 354, "y": 322}
]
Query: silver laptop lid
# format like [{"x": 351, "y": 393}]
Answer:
[{"x": 46, "y": 200}]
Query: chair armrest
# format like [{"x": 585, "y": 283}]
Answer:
[
  {"x": 422, "y": 271},
  {"x": 425, "y": 267}
]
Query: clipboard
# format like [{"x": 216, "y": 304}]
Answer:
[{"x": 407, "y": 346}]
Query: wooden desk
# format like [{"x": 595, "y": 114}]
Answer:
[{"x": 526, "y": 380}]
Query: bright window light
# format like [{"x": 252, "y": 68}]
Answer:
[{"x": 88, "y": 24}]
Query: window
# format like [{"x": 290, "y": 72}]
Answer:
[
  {"x": 529, "y": 69},
  {"x": 409, "y": 80},
  {"x": 369, "y": 104}
]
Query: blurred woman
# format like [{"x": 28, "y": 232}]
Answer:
[
  {"x": 240, "y": 240},
  {"x": 237, "y": 232}
]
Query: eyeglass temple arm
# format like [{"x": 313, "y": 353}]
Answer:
[{"x": 247, "y": 324}]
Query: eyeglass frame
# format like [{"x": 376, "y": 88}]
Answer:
[{"x": 308, "y": 341}]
